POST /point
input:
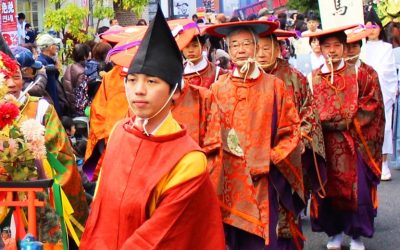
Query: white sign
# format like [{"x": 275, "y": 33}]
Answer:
[
  {"x": 336, "y": 13},
  {"x": 184, "y": 8}
]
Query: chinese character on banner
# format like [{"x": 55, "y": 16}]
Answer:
[
  {"x": 9, "y": 22},
  {"x": 335, "y": 13}
]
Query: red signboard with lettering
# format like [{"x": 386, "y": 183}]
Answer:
[
  {"x": 9, "y": 21},
  {"x": 256, "y": 7}
]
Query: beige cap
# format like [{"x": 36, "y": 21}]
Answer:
[{"x": 47, "y": 40}]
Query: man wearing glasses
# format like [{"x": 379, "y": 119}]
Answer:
[{"x": 260, "y": 137}]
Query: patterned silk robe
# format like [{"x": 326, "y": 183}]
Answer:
[
  {"x": 193, "y": 110},
  {"x": 351, "y": 112},
  {"x": 57, "y": 143},
  {"x": 260, "y": 133}
]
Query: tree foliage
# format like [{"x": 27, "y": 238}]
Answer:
[
  {"x": 136, "y": 6},
  {"x": 303, "y": 5}
]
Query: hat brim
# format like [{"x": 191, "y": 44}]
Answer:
[
  {"x": 261, "y": 28},
  {"x": 183, "y": 38},
  {"x": 329, "y": 31},
  {"x": 123, "y": 33},
  {"x": 357, "y": 34},
  {"x": 279, "y": 33},
  {"x": 186, "y": 30},
  {"x": 37, "y": 65}
]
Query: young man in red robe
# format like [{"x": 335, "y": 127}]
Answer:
[
  {"x": 351, "y": 109},
  {"x": 261, "y": 164},
  {"x": 154, "y": 186}
]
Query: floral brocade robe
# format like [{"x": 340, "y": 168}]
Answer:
[
  {"x": 57, "y": 143},
  {"x": 193, "y": 110},
  {"x": 248, "y": 111},
  {"x": 350, "y": 101}
]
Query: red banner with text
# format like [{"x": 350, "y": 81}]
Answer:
[{"x": 9, "y": 21}]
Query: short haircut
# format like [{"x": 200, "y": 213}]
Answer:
[
  {"x": 102, "y": 29},
  {"x": 67, "y": 122},
  {"x": 21, "y": 16},
  {"x": 340, "y": 35},
  {"x": 141, "y": 22},
  {"x": 28, "y": 25},
  {"x": 80, "y": 52},
  {"x": 233, "y": 32},
  {"x": 111, "y": 20}
]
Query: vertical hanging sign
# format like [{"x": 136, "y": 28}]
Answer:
[{"x": 9, "y": 22}]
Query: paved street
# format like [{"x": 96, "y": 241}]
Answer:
[{"x": 387, "y": 224}]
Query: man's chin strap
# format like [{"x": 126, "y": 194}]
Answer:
[
  {"x": 351, "y": 58},
  {"x": 331, "y": 61},
  {"x": 146, "y": 120}
]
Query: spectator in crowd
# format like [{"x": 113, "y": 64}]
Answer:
[
  {"x": 282, "y": 18},
  {"x": 195, "y": 18},
  {"x": 312, "y": 24},
  {"x": 21, "y": 28},
  {"x": 69, "y": 127},
  {"x": 49, "y": 47},
  {"x": 74, "y": 74},
  {"x": 102, "y": 29},
  {"x": 32, "y": 71},
  {"x": 141, "y": 22},
  {"x": 234, "y": 19},
  {"x": 30, "y": 34},
  {"x": 114, "y": 22},
  {"x": 220, "y": 18},
  {"x": 317, "y": 59},
  {"x": 32, "y": 48},
  {"x": 264, "y": 12},
  {"x": 251, "y": 17}
]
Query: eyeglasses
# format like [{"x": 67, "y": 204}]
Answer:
[{"x": 246, "y": 44}]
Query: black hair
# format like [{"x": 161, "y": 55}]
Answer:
[
  {"x": 67, "y": 122},
  {"x": 234, "y": 19},
  {"x": 102, "y": 29},
  {"x": 371, "y": 16},
  {"x": 251, "y": 17},
  {"x": 28, "y": 25},
  {"x": 340, "y": 35},
  {"x": 80, "y": 52},
  {"x": 141, "y": 22},
  {"x": 200, "y": 20},
  {"x": 111, "y": 20},
  {"x": 313, "y": 17},
  {"x": 195, "y": 16},
  {"x": 282, "y": 15},
  {"x": 21, "y": 16},
  {"x": 311, "y": 40}
]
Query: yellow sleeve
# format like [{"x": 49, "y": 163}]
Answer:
[{"x": 191, "y": 165}]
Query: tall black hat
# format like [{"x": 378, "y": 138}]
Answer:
[
  {"x": 158, "y": 54},
  {"x": 4, "y": 47}
]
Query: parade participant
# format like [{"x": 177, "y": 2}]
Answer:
[
  {"x": 260, "y": 137},
  {"x": 351, "y": 113},
  {"x": 9, "y": 242},
  {"x": 198, "y": 70},
  {"x": 163, "y": 186},
  {"x": 56, "y": 142},
  {"x": 313, "y": 157},
  {"x": 379, "y": 54}
]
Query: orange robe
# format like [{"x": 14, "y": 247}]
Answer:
[
  {"x": 108, "y": 107},
  {"x": 125, "y": 216},
  {"x": 204, "y": 77},
  {"x": 260, "y": 130}
]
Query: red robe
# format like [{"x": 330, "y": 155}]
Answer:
[
  {"x": 204, "y": 77},
  {"x": 119, "y": 218},
  {"x": 251, "y": 144},
  {"x": 351, "y": 112}
]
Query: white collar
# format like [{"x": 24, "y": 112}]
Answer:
[
  {"x": 325, "y": 68},
  {"x": 254, "y": 75},
  {"x": 190, "y": 68}
]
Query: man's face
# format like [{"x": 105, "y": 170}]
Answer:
[
  {"x": 193, "y": 51},
  {"x": 312, "y": 25},
  {"x": 267, "y": 51},
  {"x": 53, "y": 49},
  {"x": 241, "y": 46},
  {"x": 147, "y": 94},
  {"x": 332, "y": 48},
  {"x": 15, "y": 83},
  {"x": 353, "y": 51},
  {"x": 5, "y": 235}
]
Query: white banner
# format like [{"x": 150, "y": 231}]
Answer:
[{"x": 336, "y": 13}]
